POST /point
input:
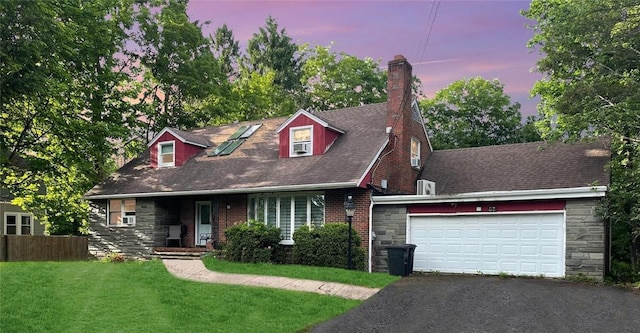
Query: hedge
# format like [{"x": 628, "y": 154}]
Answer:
[
  {"x": 327, "y": 246},
  {"x": 253, "y": 242}
]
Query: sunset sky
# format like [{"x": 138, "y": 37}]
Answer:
[{"x": 444, "y": 40}]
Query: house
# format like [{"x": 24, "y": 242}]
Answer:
[
  {"x": 518, "y": 209},
  {"x": 16, "y": 221},
  {"x": 13, "y": 219},
  {"x": 289, "y": 172},
  {"x": 523, "y": 209}
]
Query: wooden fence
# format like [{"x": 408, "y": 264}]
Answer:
[{"x": 43, "y": 248}]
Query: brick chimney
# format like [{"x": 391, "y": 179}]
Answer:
[
  {"x": 398, "y": 90},
  {"x": 401, "y": 176}
]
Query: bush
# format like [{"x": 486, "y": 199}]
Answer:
[
  {"x": 252, "y": 242},
  {"x": 327, "y": 246},
  {"x": 623, "y": 272},
  {"x": 114, "y": 257}
]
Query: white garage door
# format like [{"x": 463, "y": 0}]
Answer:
[{"x": 520, "y": 244}]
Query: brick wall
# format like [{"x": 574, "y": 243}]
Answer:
[
  {"x": 188, "y": 218},
  {"x": 236, "y": 213},
  {"x": 153, "y": 217},
  {"x": 334, "y": 211},
  {"x": 585, "y": 239},
  {"x": 395, "y": 164}
]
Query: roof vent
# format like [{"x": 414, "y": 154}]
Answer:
[{"x": 426, "y": 187}]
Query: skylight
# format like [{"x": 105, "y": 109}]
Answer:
[{"x": 235, "y": 140}]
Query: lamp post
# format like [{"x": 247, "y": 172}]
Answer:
[{"x": 350, "y": 209}]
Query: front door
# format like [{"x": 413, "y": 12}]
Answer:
[{"x": 203, "y": 222}]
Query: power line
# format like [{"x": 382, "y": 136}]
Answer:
[
  {"x": 426, "y": 30},
  {"x": 433, "y": 20}
]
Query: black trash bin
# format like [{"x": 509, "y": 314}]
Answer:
[
  {"x": 412, "y": 249},
  {"x": 400, "y": 259}
]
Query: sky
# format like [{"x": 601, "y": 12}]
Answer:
[{"x": 444, "y": 40}]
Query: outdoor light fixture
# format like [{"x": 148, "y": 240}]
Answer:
[
  {"x": 349, "y": 206},
  {"x": 350, "y": 210}
]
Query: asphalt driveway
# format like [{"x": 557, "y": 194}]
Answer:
[{"x": 458, "y": 303}]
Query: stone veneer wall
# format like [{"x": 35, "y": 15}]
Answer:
[
  {"x": 585, "y": 239},
  {"x": 390, "y": 227},
  {"x": 585, "y": 236},
  {"x": 136, "y": 241}
]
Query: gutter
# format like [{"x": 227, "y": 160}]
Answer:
[
  {"x": 261, "y": 189},
  {"x": 521, "y": 195}
]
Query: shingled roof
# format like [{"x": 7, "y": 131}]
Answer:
[
  {"x": 255, "y": 165},
  {"x": 524, "y": 166}
]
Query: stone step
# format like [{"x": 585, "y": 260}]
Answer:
[{"x": 181, "y": 257}]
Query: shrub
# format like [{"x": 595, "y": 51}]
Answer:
[
  {"x": 327, "y": 246},
  {"x": 114, "y": 257},
  {"x": 306, "y": 243},
  {"x": 252, "y": 242},
  {"x": 623, "y": 272}
]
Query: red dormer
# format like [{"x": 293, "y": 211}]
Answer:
[
  {"x": 305, "y": 134},
  {"x": 172, "y": 147}
]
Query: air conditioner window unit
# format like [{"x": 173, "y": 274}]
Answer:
[
  {"x": 415, "y": 162},
  {"x": 301, "y": 148},
  {"x": 129, "y": 220},
  {"x": 426, "y": 187}
]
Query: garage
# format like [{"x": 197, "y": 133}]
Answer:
[{"x": 522, "y": 243}]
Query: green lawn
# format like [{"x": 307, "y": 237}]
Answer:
[
  {"x": 143, "y": 297},
  {"x": 373, "y": 280}
]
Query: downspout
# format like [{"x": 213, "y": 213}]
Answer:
[{"x": 371, "y": 233}]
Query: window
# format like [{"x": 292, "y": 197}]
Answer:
[
  {"x": 301, "y": 141},
  {"x": 18, "y": 224},
  {"x": 415, "y": 153},
  {"x": 288, "y": 211},
  {"x": 122, "y": 212},
  {"x": 235, "y": 140},
  {"x": 166, "y": 154}
]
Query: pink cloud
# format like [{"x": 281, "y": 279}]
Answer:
[{"x": 465, "y": 38}]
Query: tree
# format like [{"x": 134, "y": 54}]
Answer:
[
  {"x": 472, "y": 113},
  {"x": 341, "y": 80},
  {"x": 590, "y": 58},
  {"x": 178, "y": 64},
  {"x": 62, "y": 97},
  {"x": 590, "y": 52},
  {"x": 273, "y": 49},
  {"x": 80, "y": 79},
  {"x": 529, "y": 131},
  {"x": 251, "y": 96},
  {"x": 227, "y": 50}
]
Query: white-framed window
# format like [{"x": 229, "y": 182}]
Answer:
[
  {"x": 287, "y": 211},
  {"x": 415, "y": 153},
  {"x": 166, "y": 154},
  {"x": 121, "y": 212},
  {"x": 18, "y": 223},
  {"x": 301, "y": 141}
]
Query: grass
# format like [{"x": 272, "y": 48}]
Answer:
[
  {"x": 142, "y": 297},
  {"x": 358, "y": 278},
  {"x": 581, "y": 278}
]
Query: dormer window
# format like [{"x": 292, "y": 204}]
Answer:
[
  {"x": 301, "y": 141},
  {"x": 415, "y": 153},
  {"x": 166, "y": 154}
]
